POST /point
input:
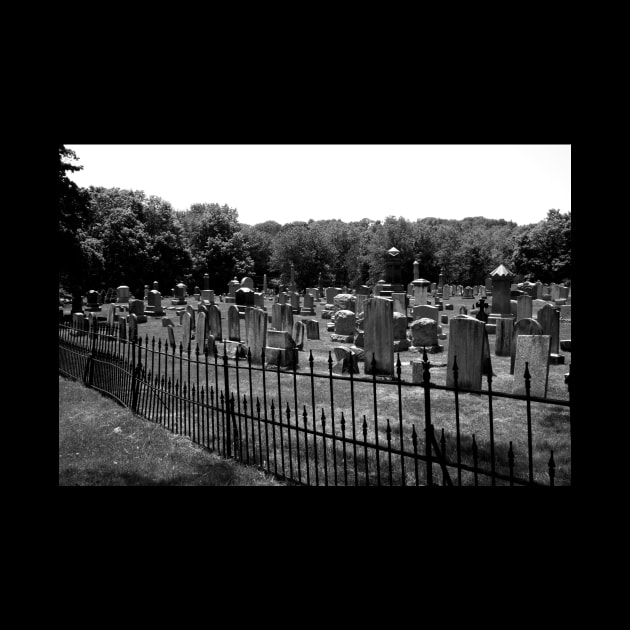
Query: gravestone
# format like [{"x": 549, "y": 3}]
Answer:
[
  {"x": 295, "y": 302},
  {"x": 180, "y": 294},
  {"x": 110, "y": 313},
  {"x": 481, "y": 313},
  {"x": 549, "y": 319},
  {"x": 424, "y": 333},
  {"x": 463, "y": 310},
  {"x": 280, "y": 349},
  {"x": 299, "y": 334},
  {"x": 233, "y": 286},
  {"x": 330, "y": 294},
  {"x": 503, "y": 340},
  {"x": 167, "y": 321},
  {"x": 379, "y": 336},
  {"x": 527, "y": 326},
  {"x": 523, "y": 307},
  {"x": 468, "y": 293},
  {"x": 469, "y": 343},
  {"x": 432, "y": 312},
  {"x": 244, "y": 298},
  {"x": 400, "y": 303},
  {"x": 214, "y": 322},
  {"x": 122, "y": 327},
  {"x": 378, "y": 287},
  {"x": 259, "y": 301},
  {"x": 501, "y": 280},
  {"x": 420, "y": 291},
  {"x": 312, "y": 328},
  {"x": 191, "y": 310},
  {"x": 533, "y": 350},
  {"x": 132, "y": 322},
  {"x": 346, "y": 361},
  {"x": 446, "y": 292},
  {"x": 359, "y": 304},
  {"x": 171, "y": 336},
  {"x": 247, "y": 283},
  {"x": 154, "y": 306},
  {"x": 234, "y": 324},
  {"x": 416, "y": 270},
  {"x": 200, "y": 333},
  {"x": 207, "y": 295},
  {"x": 309, "y": 305},
  {"x": 344, "y": 302},
  {"x": 282, "y": 317},
  {"x": 92, "y": 301},
  {"x": 282, "y": 298},
  {"x": 400, "y": 327},
  {"x": 186, "y": 330},
  {"x": 137, "y": 308},
  {"x": 123, "y": 294},
  {"x": 256, "y": 333},
  {"x": 345, "y": 322}
]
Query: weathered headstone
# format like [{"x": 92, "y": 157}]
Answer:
[
  {"x": 200, "y": 334},
  {"x": 154, "y": 306},
  {"x": 171, "y": 336},
  {"x": 180, "y": 294},
  {"x": 345, "y": 322},
  {"x": 166, "y": 322},
  {"x": 469, "y": 344},
  {"x": 330, "y": 294},
  {"x": 346, "y": 361},
  {"x": 432, "y": 312},
  {"x": 549, "y": 318},
  {"x": 256, "y": 333},
  {"x": 280, "y": 349},
  {"x": 309, "y": 305},
  {"x": 446, "y": 292},
  {"x": 191, "y": 310},
  {"x": 312, "y": 328},
  {"x": 503, "y": 341},
  {"x": 282, "y": 317},
  {"x": 527, "y": 326},
  {"x": 186, "y": 330},
  {"x": 523, "y": 307},
  {"x": 214, "y": 322},
  {"x": 359, "y": 304},
  {"x": 400, "y": 302},
  {"x": 247, "y": 283},
  {"x": 420, "y": 291},
  {"x": 132, "y": 322},
  {"x": 92, "y": 301},
  {"x": 234, "y": 323},
  {"x": 424, "y": 332},
  {"x": 533, "y": 350},
  {"x": 378, "y": 326},
  {"x": 137, "y": 308},
  {"x": 299, "y": 334}
]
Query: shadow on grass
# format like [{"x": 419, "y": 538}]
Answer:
[{"x": 219, "y": 474}]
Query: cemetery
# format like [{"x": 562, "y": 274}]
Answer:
[
  {"x": 351, "y": 362},
  {"x": 420, "y": 350}
]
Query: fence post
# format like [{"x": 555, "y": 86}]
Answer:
[
  {"x": 134, "y": 376},
  {"x": 226, "y": 376},
  {"x": 427, "y": 415}
]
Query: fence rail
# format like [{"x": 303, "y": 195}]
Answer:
[{"x": 287, "y": 423}]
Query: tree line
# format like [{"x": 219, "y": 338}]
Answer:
[{"x": 113, "y": 236}]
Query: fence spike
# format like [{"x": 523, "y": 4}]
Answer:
[
  {"x": 343, "y": 422},
  {"x": 552, "y": 469},
  {"x": 414, "y": 436},
  {"x": 388, "y": 431}
]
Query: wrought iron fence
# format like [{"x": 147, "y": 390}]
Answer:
[{"x": 286, "y": 421}]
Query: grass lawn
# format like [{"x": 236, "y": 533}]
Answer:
[
  {"x": 103, "y": 444},
  {"x": 550, "y": 423}
]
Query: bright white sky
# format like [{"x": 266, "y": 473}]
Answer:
[{"x": 294, "y": 182}]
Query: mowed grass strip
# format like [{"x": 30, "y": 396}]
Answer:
[{"x": 103, "y": 444}]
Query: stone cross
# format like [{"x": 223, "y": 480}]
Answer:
[{"x": 481, "y": 305}]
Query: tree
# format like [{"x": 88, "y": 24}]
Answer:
[
  {"x": 543, "y": 252},
  {"x": 73, "y": 216},
  {"x": 217, "y": 245},
  {"x": 307, "y": 249}
]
